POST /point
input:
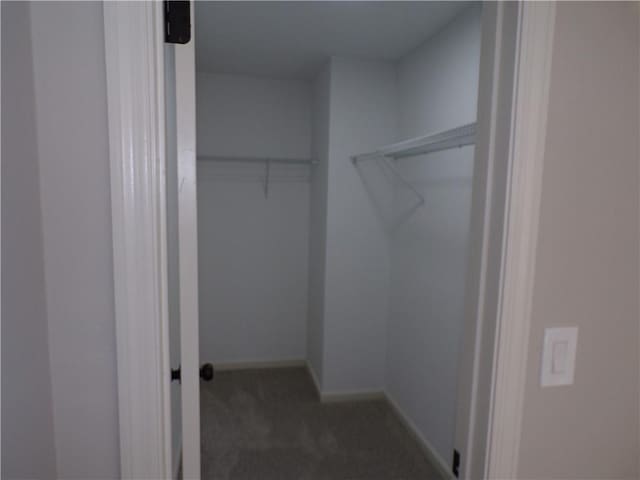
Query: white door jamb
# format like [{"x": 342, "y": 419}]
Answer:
[{"x": 185, "y": 65}]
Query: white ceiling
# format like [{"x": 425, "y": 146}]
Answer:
[{"x": 293, "y": 39}]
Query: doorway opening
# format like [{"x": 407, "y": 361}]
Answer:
[
  {"x": 335, "y": 155},
  {"x": 509, "y": 146}
]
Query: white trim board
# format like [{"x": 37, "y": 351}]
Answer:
[
  {"x": 343, "y": 396},
  {"x": 135, "y": 99},
  {"x": 500, "y": 23},
  {"x": 316, "y": 381},
  {"x": 362, "y": 396},
  {"x": 258, "y": 365},
  {"x": 185, "y": 98},
  {"x": 514, "y": 79},
  {"x": 324, "y": 397},
  {"x": 339, "y": 397},
  {"x": 443, "y": 467},
  {"x": 528, "y": 134},
  {"x": 355, "y": 396}
]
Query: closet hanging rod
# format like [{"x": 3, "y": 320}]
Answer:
[
  {"x": 455, "y": 137},
  {"x": 282, "y": 160}
]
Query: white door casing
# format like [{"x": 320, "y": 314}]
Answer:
[
  {"x": 497, "y": 66},
  {"x": 514, "y": 83},
  {"x": 524, "y": 191},
  {"x": 135, "y": 98},
  {"x": 134, "y": 45}
]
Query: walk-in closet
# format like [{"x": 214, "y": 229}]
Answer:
[{"x": 335, "y": 157}]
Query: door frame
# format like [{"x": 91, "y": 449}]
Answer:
[
  {"x": 135, "y": 51},
  {"x": 134, "y": 58},
  {"x": 185, "y": 87},
  {"x": 134, "y": 41},
  {"x": 517, "y": 44}
]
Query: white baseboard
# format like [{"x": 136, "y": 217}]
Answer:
[
  {"x": 442, "y": 466},
  {"x": 314, "y": 377},
  {"x": 251, "y": 365},
  {"x": 334, "y": 397}
]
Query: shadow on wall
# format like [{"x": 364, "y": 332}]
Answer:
[
  {"x": 393, "y": 202},
  {"x": 378, "y": 182}
]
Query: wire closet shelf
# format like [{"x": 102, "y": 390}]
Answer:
[{"x": 436, "y": 142}]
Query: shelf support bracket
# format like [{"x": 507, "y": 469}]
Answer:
[{"x": 389, "y": 161}]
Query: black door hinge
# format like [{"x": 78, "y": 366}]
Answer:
[
  {"x": 176, "y": 375},
  {"x": 455, "y": 468},
  {"x": 177, "y": 21}
]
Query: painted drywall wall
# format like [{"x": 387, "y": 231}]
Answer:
[
  {"x": 363, "y": 115},
  {"x": 433, "y": 99},
  {"x": 253, "y": 269},
  {"x": 27, "y": 417},
  {"x": 318, "y": 222},
  {"x": 253, "y": 116},
  {"x": 253, "y": 251},
  {"x": 71, "y": 116},
  {"x": 587, "y": 258},
  {"x": 438, "y": 89}
]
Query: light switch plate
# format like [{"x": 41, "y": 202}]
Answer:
[{"x": 559, "y": 356}]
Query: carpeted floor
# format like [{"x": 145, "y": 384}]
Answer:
[{"x": 269, "y": 425}]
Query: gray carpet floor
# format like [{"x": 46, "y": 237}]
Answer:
[{"x": 268, "y": 424}]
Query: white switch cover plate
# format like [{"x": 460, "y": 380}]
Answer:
[{"x": 559, "y": 356}]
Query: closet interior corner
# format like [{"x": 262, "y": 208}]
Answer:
[{"x": 335, "y": 159}]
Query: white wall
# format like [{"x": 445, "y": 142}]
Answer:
[
  {"x": 253, "y": 116},
  {"x": 362, "y": 117},
  {"x": 253, "y": 251},
  {"x": 438, "y": 81},
  {"x": 438, "y": 89},
  {"x": 28, "y": 449},
  {"x": 587, "y": 259},
  {"x": 318, "y": 223},
  {"x": 71, "y": 115},
  {"x": 395, "y": 274}
]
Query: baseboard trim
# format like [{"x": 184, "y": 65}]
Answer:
[
  {"x": 253, "y": 365},
  {"x": 442, "y": 466},
  {"x": 314, "y": 378},
  {"x": 335, "y": 397}
]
